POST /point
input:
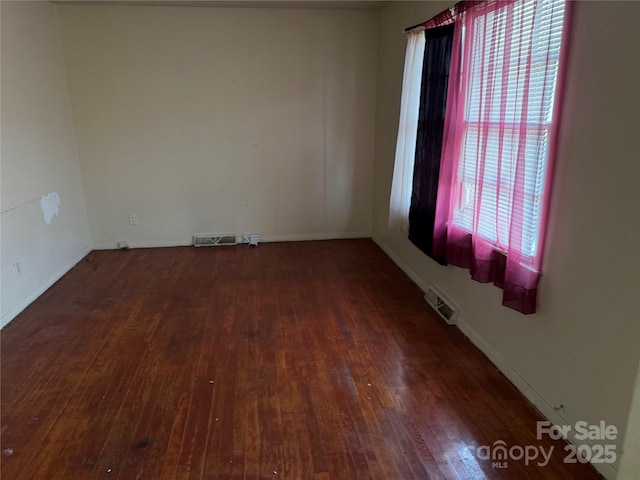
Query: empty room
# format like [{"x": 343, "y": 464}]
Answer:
[{"x": 320, "y": 240}]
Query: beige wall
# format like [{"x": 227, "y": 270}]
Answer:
[
  {"x": 39, "y": 156},
  {"x": 211, "y": 120},
  {"x": 630, "y": 462},
  {"x": 581, "y": 350}
]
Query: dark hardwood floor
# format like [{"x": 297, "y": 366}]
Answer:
[{"x": 309, "y": 360}]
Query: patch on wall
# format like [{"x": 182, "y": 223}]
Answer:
[{"x": 50, "y": 204}]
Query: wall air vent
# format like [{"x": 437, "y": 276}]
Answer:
[
  {"x": 215, "y": 240},
  {"x": 441, "y": 305}
]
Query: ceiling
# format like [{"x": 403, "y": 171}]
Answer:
[{"x": 316, "y": 4}]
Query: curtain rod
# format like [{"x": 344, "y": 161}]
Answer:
[
  {"x": 442, "y": 18},
  {"x": 452, "y": 14},
  {"x": 413, "y": 27}
]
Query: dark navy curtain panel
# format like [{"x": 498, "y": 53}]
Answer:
[{"x": 433, "y": 101}]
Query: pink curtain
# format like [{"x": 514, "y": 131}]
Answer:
[{"x": 499, "y": 142}]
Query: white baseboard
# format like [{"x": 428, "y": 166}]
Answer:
[
  {"x": 266, "y": 238},
  {"x": 175, "y": 242},
  {"x": 305, "y": 237},
  {"x": 609, "y": 471},
  {"x": 43, "y": 287},
  {"x": 403, "y": 266}
]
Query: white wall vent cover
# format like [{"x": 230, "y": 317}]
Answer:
[
  {"x": 214, "y": 240},
  {"x": 442, "y": 305}
]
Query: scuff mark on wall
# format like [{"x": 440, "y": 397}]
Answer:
[
  {"x": 16, "y": 207},
  {"x": 50, "y": 204}
]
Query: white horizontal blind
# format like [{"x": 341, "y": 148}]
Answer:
[{"x": 514, "y": 64}]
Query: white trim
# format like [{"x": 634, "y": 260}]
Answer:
[
  {"x": 303, "y": 237},
  {"x": 181, "y": 242},
  {"x": 545, "y": 408},
  {"x": 404, "y": 267},
  {"x": 266, "y": 238},
  {"x": 44, "y": 286}
]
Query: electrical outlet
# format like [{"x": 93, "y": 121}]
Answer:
[
  {"x": 254, "y": 239},
  {"x": 133, "y": 219},
  {"x": 17, "y": 269},
  {"x": 123, "y": 244}
]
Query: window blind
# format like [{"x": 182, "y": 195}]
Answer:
[{"x": 508, "y": 112}]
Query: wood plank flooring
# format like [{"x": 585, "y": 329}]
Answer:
[{"x": 301, "y": 361}]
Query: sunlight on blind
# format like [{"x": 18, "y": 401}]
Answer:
[{"x": 508, "y": 113}]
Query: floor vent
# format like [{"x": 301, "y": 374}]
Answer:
[
  {"x": 214, "y": 240},
  {"x": 441, "y": 305}
]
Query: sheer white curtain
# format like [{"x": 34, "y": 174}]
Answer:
[{"x": 406, "y": 145}]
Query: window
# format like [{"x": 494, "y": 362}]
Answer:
[
  {"x": 508, "y": 113},
  {"x": 498, "y": 143}
]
